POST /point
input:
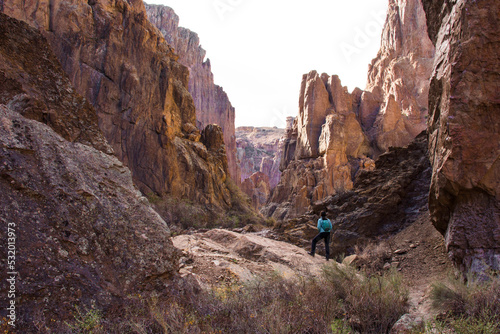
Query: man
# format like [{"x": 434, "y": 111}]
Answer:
[{"x": 324, "y": 228}]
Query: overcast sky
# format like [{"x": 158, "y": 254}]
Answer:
[{"x": 259, "y": 49}]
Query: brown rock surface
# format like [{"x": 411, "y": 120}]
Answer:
[
  {"x": 464, "y": 130},
  {"x": 211, "y": 102},
  {"x": 84, "y": 233},
  {"x": 220, "y": 256},
  {"x": 120, "y": 62}
]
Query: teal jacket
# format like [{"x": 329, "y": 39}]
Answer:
[{"x": 320, "y": 227}]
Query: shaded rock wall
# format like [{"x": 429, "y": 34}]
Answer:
[
  {"x": 338, "y": 133},
  {"x": 83, "y": 231},
  {"x": 464, "y": 130},
  {"x": 124, "y": 67},
  {"x": 211, "y": 102}
]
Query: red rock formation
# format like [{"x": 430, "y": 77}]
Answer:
[
  {"x": 464, "y": 130},
  {"x": 211, "y": 102},
  {"x": 342, "y": 130},
  {"x": 394, "y": 106},
  {"x": 120, "y": 62},
  {"x": 83, "y": 232},
  {"x": 322, "y": 151}
]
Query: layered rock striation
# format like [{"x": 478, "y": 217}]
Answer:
[
  {"x": 123, "y": 66},
  {"x": 85, "y": 236},
  {"x": 211, "y": 102},
  {"x": 464, "y": 130},
  {"x": 337, "y": 133}
]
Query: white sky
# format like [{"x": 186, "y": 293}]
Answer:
[{"x": 260, "y": 49}]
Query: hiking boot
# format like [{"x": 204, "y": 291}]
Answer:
[{"x": 312, "y": 254}]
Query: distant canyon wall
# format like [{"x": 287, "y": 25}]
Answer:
[
  {"x": 464, "y": 129},
  {"x": 259, "y": 157},
  {"x": 336, "y": 133},
  {"x": 123, "y": 66},
  {"x": 211, "y": 102}
]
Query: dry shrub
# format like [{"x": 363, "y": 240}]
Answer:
[
  {"x": 373, "y": 257},
  {"x": 339, "y": 302},
  {"x": 472, "y": 307}
]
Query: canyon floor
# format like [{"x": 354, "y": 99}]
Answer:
[{"x": 228, "y": 257}]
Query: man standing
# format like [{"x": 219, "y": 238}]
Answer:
[{"x": 324, "y": 228}]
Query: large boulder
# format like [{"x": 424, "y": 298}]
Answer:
[
  {"x": 84, "y": 236},
  {"x": 464, "y": 130}
]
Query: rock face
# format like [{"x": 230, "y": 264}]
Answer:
[
  {"x": 211, "y": 102},
  {"x": 398, "y": 78},
  {"x": 83, "y": 231},
  {"x": 221, "y": 256},
  {"x": 124, "y": 67},
  {"x": 382, "y": 201},
  {"x": 257, "y": 187},
  {"x": 338, "y": 133},
  {"x": 464, "y": 130},
  {"x": 323, "y": 148}
]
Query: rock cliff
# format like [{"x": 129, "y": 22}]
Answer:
[
  {"x": 323, "y": 148},
  {"x": 84, "y": 234},
  {"x": 337, "y": 133},
  {"x": 124, "y": 67},
  {"x": 211, "y": 102},
  {"x": 464, "y": 130}
]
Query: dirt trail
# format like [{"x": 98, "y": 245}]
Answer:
[{"x": 422, "y": 261}]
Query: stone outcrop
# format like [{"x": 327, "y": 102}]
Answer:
[
  {"x": 211, "y": 102},
  {"x": 83, "y": 232},
  {"x": 323, "y": 148},
  {"x": 123, "y": 66},
  {"x": 464, "y": 130},
  {"x": 338, "y": 133},
  {"x": 382, "y": 201}
]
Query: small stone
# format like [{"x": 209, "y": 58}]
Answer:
[
  {"x": 400, "y": 251},
  {"x": 387, "y": 266},
  {"x": 413, "y": 246}
]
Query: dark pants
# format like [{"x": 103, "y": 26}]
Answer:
[{"x": 322, "y": 235}]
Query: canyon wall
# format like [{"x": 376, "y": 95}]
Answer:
[
  {"x": 211, "y": 102},
  {"x": 464, "y": 130},
  {"x": 336, "y": 133},
  {"x": 123, "y": 66},
  {"x": 259, "y": 157},
  {"x": 84, "y": 234}
]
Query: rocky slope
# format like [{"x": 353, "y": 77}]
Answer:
[
  {"x": 124, "y": 67},
  {"x": 464, "y": 130},
  {"x": 211, "y": 102},
  {"x": 338, "y": 133},
  {"x": 83, "y": 232},
  {"x": 259, "y": 157}
]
